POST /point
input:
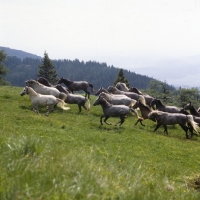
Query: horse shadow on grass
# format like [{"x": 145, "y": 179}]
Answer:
[{"x": 111, "y": 129}]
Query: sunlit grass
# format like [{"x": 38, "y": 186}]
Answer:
[{"x": 71, "y": 156}]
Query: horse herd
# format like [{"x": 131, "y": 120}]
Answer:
[{"x": 116, "y": 101}]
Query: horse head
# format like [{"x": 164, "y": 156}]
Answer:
[
  {"x": 102, "y": 101},
  {"x": 24, "y": 91}
]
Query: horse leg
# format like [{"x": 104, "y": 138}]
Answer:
[
  {"x": 191, "y": 130},
  {"x": 139, "y": 120},
  {"x": 79, "y": 106},
  {"x": 157, "y": 126},
  {"x": 101, "y": 119},
  {"x": 35, "y": 109},
  {"x": 105, "y": 120},
  {"x": 50, "y": 109},
  {"x": 165, "y": 129},
  {"x": 87, "y": 94},
  {"x": 185, "y": 128},
  {"x": 121, "y": 121}
]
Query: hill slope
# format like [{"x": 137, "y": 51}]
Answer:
[
  {"x": 71, "y": 156},
  {"x": 18, "y": 53}
]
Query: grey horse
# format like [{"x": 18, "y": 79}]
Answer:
[
  {"x": 165, "y": 118},
  {"x": 110, "y": 110}
]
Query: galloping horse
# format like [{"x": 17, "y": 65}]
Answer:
[
  {"x": 75, "y": 99},
  {"x": 144, "y": 109},
  {"x": 110, "y": 110},
  {"x": 192, "y": 109},
  {"x": 42, "y": 89},
  {"x": 49, "y": 101},
  {"x": 164, "y": 118},
  {"x": 161, "y": 107},
  {"x": 77, "y": 85}
]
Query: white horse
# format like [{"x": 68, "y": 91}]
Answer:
[
  {"x": 122, "y": 87},
  {"x": 132, "y": 95},
  {"x": 118, "y": 99},
  {"x": 42, "y": 89},
  {"x": 43, "y": 100}
]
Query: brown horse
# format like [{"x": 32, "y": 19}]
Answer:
[
  {"x": 192, "y": 109},
  {"x": 144, "y": 109},
  {"x": 77, "y": 85}
]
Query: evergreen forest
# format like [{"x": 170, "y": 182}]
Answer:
[{"x": 99, "y": 74}]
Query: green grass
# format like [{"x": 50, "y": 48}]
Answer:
[{"x": 71, "y": 156}]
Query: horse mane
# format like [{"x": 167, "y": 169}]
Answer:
[
  {"x": 66, "y": 80},
  {"x": 141, "y": 99},
  {"x": 42, "y": 79},
  {"x": 160, "y": 102},
  {"x": 122, "y": 84},
  {"x": 31, "y": 90},
  {"x": 105, "y": 94},
  {"x": 134, "y": 89}
]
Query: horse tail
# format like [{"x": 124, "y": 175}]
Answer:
[
  {"x": 141, "y": 99},
  {"x": 62, "y": 104},
  {"x": 87, "y": 101},
  {"x": 92, "y": 88},
  {"x": 192, "y": 123},
  {"x": 133, "y": 102},
  {"x": 62, "y": 96},
  {"x": 136, "y": 113}
]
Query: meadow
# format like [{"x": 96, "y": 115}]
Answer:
[{"x": 71, "y": 156}]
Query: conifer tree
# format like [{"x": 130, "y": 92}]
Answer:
[
  {"x": 121, "y": 78},
  {"x": 46, "y": 70},
  {"x": 3, "y": 70}
]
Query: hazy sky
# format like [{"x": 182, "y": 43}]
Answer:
[{"x": 101, "y": 29}]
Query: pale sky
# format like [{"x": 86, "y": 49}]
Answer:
[{"x": 101, "y": 30}]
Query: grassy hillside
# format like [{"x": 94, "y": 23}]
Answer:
[{"x": 71, "y": 156}]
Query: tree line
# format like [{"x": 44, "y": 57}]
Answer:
[{"x": 99, "y": 74}]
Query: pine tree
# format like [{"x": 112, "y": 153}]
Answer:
[
  {"x": 3, "y": 70},
  {"x": 121, "y": 78},
  {"x": 46, "y": 70}
]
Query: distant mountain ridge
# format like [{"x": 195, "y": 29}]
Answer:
[
  {"x": 18, "y": 53},
  {"x": 184, "y": 72}
]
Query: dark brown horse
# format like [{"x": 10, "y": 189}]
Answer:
[
  {"x": 77, "y": 85},
  {"x": 161, "y": 107},
  {"x": 192, "y": 109},
  {"x": 44, "y": 81}
]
